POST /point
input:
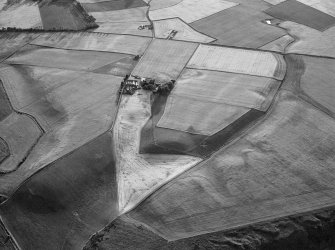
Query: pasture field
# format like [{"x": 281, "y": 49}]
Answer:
[
  {"x": 191, "y": 10},
  {"x": 94, "y": 41},
  {"x": 140, "y": 174},
  {"x": 239, "y": 26},
  {"x": 161, "y": 4},
  {"x": 326, "y": 6},
  {"x": 310, "y": 41},
  {"x": 127, "y": 28},
  {"x": 63, "y": 14},
  {"x": 300, "y": 13},
  {"x": 63, "y": 59},
  {"x": 164, "y": 59},
  {"x": 65, "y": 203},
  {"x": 282, "y": 167},
  {"x": 195, "y": 116},
  {"x": 20, "y": 132},
  {"x": 279, "y": 45},
  {"x": 101, "y": 6},
  {"x": 163, "y": 29},
  {"x": 76, "y": 127},
  {"x": 317, "y": 81},
  {"x": 13, "y": 41},
  {"x": 122, "y": 16},
  {"x": 24, "y": 16},
  {"x": 227, "y": 88},
  {"x": 119, "y": 68},
  {"x": 240, "y": 61}
]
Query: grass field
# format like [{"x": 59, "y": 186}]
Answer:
[
  {"x": 63, "y": 59},
  {"x": 238, "y": 61},
  {"x": 283, "y": 166},
  {"x": 300, "y": 13},
  {"x": 163, "y": 29},
  {"x": 127, "y": 28},
  {"x": 279, "y": 45},
  {"x": 161, "y": 4},
  {"x": 22, "y": 16},
  {"x": 227, "y": 88},
  {"x": 64, "y": 204},
  {"x": 94, "y": 41},
  {"x": 239, "y": 26},
  {"x": 164, "y": 59},
  {"x": 310, "y": 41},
  {"x": 102, "y": 6},
  {"x": 20, "y": 133},
  {"x": 191, "y": 10},
  {"x": 326, "y": 6},
  {"x": 121, "y": 16},
  {"x": 140, "y": 174},
  {"x": 120, "y": 68}
]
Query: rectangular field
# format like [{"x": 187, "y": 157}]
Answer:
[
  {"x": 121, "y": 16},
  {"x": 300, "y": 13},
  {"x": 164, "y": 59},
  {"x": 94, "y": 41},
  {"x": 227, "y": 88},
  {"x": 128, "y": 28},
  {"x": 326, "y": 6},
  {"x": 102, "y": 6},
  {"x": 238, "y": 61},
  {"x": 191, "y": 10}
]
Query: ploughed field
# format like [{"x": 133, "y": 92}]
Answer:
[{"x": 239, "y": 154}]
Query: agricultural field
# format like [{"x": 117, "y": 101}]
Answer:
[
  {"x": 165, "y": 59},
  {"x": 167, "y": 124},
  {"x": 239, "y": 26}
]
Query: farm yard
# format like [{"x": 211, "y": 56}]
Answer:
[{"x": 167, "y": 124}]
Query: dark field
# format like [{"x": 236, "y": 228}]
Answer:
[
  {"x": 113, "y": 5},
  {"x": 295, "y": 11},
  {"x": 62, "y": 205},
  {"x": 5, "y": 106},
  {"x": 4, "y": 150}
]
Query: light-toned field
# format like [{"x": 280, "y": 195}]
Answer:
[
  {"x": 227, "y": 88},
  {"x": 282, "y": 167},
  {"x": 317, "y": 81},
  {"x": 139, "y": 174},
  {"x": 161, "y": 4},
  {"x": 164, "y": 59},
  {"x": 310, "y": 41},
  {"x": 163, "y": 28},
  {"x": 238, "y": 61},
  {"x": 20, "y": 133},
  {"x": 127, "y": 28},
  {"x": 274, "y": 2},
  {"x": 63, "y": 205},
  {"x": 121, "y": 16},
  {"x": 22, "y": 16},
  {"x": 195, "y": 116},
  {"x": 191, "y": 10},
  {"x": 121, "y": 67},
  {"x": 63, "y": 59},
  {"x": 239, "y": 26},
  {"x": 94, "y": 41},
  {"x": 326, "y": 6},
  {"x": 279, "y": 45},
  {"x": 12, "y": 41},
  {"x": 77, "y": 126}
]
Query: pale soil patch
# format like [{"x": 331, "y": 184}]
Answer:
[
  {"x": 310, "y": 41},
  {"x": 326, "y": 6},
  {"x": 121, "y": 16},
  {"x": 85, "y": 114},
  {"x": 127, "y": 28},
  {"x": 94, "y": 41},
  {"x": 279, "y": 45},
  {"x": 63, "y": 59},
  {"x": 163, "y": 29},
  {"x": 22, "y": 16},
  {"x": 140, "y": 174},
  {"x": 198, "y": 116},
  {"x": 164, "y": 59},
  {"x": 282, "y": 167},
  {"x": 20, "y": 133},
  {"x": 160, "y": 4},
  {"x": 274, "y": 2},
  {"x": 191, "y": 10},
  {"x": 238, "y": 61}
]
